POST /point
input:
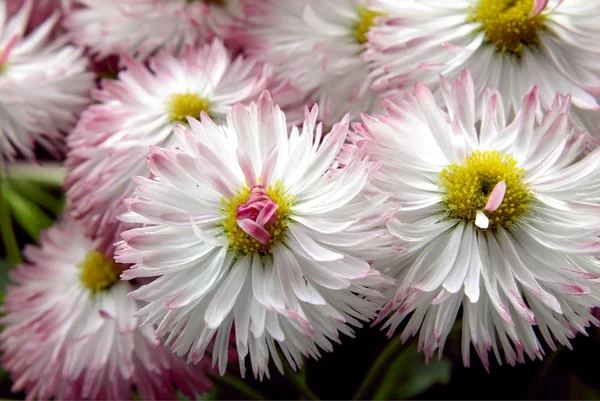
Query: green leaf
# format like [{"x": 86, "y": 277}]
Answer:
[
  {"x": 51, "y": 174},
  {"x": 422, "y": 377},
  {"x": 237, "y": 384},
  {"x": 409, "y": 376},
  {"x": 4, "y": 280},
  {"x": 208, "y": 396},
  {"x": 7, "y": 233},
  {"x": 581, "y": 390},
  {"x": 37, "y": 194},
  {"x": 26, "y": 213}
]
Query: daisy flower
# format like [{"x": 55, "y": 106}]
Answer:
[
  {"x": 499, "y": 217},
  {"x": 509, "y": 45},
  {"x": 111, "y": 141},
  {"x": 246, "y": 226},
  {"x": 43, "y": 86},
  {"x": 141, "y": 27},
  {"x": 70, "y": 332},
  {"x": 317, "y": 46}
]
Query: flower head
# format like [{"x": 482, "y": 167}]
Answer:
[
  {"x": 510, "y": 45},
  {"x": 499, "y": 217},
  {"x": 141, "y": 27},
  {"x": 43, "y": 85},
  {"x": 317, "y": 46},
  {"x": 140, "y": 109},
  {"x": 70, "y": 332},
  {"x": 255, "y": 232}
]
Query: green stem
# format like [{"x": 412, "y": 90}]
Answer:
[
  {"x": 300, "y": 383},
  {"x": 237, "y": 384},
  {"x": 52, "y": 174},
  {"x": 389, "y": 352},
  {"x": 7, "y": 233}
]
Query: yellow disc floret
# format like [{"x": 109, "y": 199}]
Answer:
[
  {"x": 186, "y": 104},
  {"x": 508, "y": 25},
  {"x": 468, "y": 188},
  {"x": 242, "y": 243},
  {"x": 364, "y": 24},
  {"x": 2, "y": 65},
  {"x": 97, "y": 272}
]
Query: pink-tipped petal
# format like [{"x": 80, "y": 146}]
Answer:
[
  {"x": 246, "y": 166},
  {"x": 538, "y": 7},
  {"x": 269, "y": 166},
  {"x": 5, "y": 53}
]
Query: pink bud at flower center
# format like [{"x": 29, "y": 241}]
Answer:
[{"x": 257, "y": 213}]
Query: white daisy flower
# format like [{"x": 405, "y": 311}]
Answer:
[
  {"x": 141, "y": 27},
  {"x": 505, "y": 44},
  {"x": 140, "y": 109},
  {"x": 317, "y": 46},
  {"x": 499, "y": 217},
  {"x": 43, "y": 85},
  {"x": 246, "y": 226},
  {"x": 70, "y": 332}
]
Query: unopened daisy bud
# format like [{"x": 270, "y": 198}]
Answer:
[
  {"x": 507, "y": 44},
  {"x": 246, "y": 225},
  {"x": 497, "y": 217},
  {"x": 43, "y": 85},
  {"x": 140, "y": 109},
  {"x": 70, "y": 331}
]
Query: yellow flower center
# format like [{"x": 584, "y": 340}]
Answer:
[
  {"x": 508, "y": 25},
  {"x": 366, "y": 22},
  {"x": 2, "y": 65},
  {"x": 97, "y": 272},
  {"x": 240, "y": 241},
  {"x": 186, "y": 104},
  {"x": 468, "y": 188}
]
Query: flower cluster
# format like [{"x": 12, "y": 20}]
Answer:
[{"x": 253, "y": 179}]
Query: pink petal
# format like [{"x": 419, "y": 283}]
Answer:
[
  {"x": 496, "y": 197},
  {"x": 246, "y": 166},
  {"x": 538, "y": 7},
  {"x": 267, "y": 214},
  {"x": 254, "y": 230},
  {"x": 269, "y": 166},
  {"x": 5, "y": 53}
]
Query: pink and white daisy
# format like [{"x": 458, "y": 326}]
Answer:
[
  {"x": 509, "y": 45},
  {"x": 247, "y": 226},
  {"x": 70, "y": 331},
  {"x": 499, "y": 217},
  {"x": 43, "y": 85},
  {"x": 141, "y": 27},
  {"x": 317, "y": 46},
  {"x": 140, "y": 109}
]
